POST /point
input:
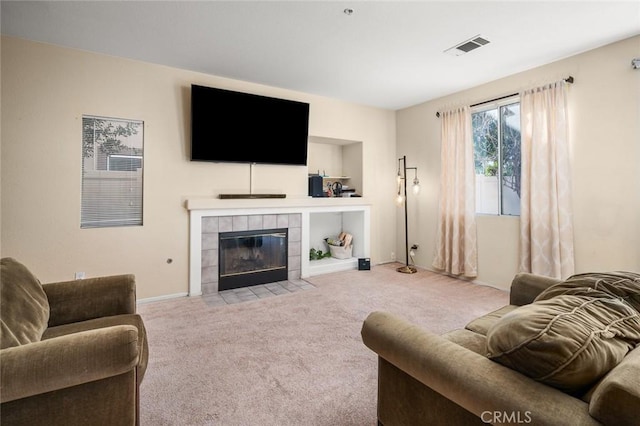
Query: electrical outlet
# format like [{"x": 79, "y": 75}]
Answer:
[
  {"x": 79, "y": 275},
  {"x": 393, "y": 255}
]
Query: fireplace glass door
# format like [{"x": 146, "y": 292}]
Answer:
[{"x": 249, "y": 258}]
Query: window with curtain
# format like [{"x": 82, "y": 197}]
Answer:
[
  {"x": 112, "y": 172},
  {"x": 496, "y": 152}
]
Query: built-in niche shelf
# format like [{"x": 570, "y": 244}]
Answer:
[
  {"x": 328, "y": 224},
  {"x": 331, "y": 264},
  {"x": 336, "y": 160},
  {"x": 336, "y": 177}
]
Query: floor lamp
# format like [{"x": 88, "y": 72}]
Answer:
[{"x": 402, "y": 198}]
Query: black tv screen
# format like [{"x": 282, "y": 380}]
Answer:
[{"x": 230, "y": 126}]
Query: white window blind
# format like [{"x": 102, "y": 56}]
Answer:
[{"x": 112, "y": 172}]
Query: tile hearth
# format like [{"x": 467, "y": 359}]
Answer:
[{"x": 256, "y": 292}]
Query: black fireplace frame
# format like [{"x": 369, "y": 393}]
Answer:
[{"x": 251, "y": 278}]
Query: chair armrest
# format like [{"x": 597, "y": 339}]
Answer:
[
  {"x": 466, "y": 378},
  {"x": 81, "y": 300},
  {"x": 66, "y": 361},
  {"x": 525, "y": 287}
]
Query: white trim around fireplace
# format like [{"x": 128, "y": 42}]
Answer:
[{"x": 353, "y": 213}]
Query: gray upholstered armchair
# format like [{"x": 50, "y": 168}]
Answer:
[{"x": 73, "y": 353}]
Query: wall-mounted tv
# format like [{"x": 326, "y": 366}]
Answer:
[{"x": 230, "y": 126}]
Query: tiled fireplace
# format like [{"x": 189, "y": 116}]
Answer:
[
  {"x": 268, "y": 234},
  {"x": 307, "y": 220}
]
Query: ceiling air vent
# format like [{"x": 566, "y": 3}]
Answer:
[{"x": 467, "y": 46}]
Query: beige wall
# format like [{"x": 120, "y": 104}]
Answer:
[
  {"x": 45, "y": 92},
  {"x": 604, "y": 107},
  {"x": 47, "y": 89}
]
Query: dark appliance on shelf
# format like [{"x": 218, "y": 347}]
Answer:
[{"x": 315, "y": 186}]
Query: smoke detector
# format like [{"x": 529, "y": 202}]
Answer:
[{"x": 467, "y": 46}]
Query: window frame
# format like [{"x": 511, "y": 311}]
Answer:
[{"x": 496, "y": 105}]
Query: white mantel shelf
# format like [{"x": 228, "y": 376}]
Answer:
[
  {"x": 267, "y": 203},
  {"x": 356, "y": 210}
]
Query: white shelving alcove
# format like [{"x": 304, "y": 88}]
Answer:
[{"x": 309, "y": 220}]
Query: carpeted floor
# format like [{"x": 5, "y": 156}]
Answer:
[{"x": 295, "y": 359}]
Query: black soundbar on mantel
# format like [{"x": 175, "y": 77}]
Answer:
[{"x": 240, "y": 196}]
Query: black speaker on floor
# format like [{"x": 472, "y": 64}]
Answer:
[
  {"x": 315, "y": 186},
  {"x": 364, "y": 264}
]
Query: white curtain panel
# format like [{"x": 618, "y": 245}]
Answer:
[
  {"x": 546, "y": 219},
  {"x": 456, "y": 243}
]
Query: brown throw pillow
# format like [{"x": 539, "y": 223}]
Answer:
[
  {"x": 568, "y": 341},
  {"x": 25, "y": 309},
  {"x": 619, "y": 284}
]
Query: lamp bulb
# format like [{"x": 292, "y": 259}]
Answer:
[{"x": 416, "y": 186}]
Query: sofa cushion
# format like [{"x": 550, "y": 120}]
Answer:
[
  {"x": 25, "y": 310},
  {"x": 568, "y": 341},
  {"x": 482, "y": 324},
  {"x": 468, "y": 339}
]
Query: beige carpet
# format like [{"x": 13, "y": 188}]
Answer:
[{"x": 294, "y": 359}]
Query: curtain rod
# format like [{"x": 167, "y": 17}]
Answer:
[{"x": 569, "y": 80}]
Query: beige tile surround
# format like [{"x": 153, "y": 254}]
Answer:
[{"x": 213, "y": 225}]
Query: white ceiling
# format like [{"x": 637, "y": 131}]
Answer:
[{"x": 385, "y": 54}]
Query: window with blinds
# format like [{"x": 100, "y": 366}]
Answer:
[{"x": 112, "y": 166}]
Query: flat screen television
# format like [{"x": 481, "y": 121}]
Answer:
[{"x": 230, "y": 126}]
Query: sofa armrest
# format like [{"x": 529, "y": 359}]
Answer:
[
  {"x": 66, "y": 361},
  {"x": 466, "y": 378},
  {"x": 525, "y": 287},
  {"x": 81, "y": 300},
  {"x": 616, "y": 399}
]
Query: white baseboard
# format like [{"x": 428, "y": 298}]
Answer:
[{"x": 159, "y": 298}]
